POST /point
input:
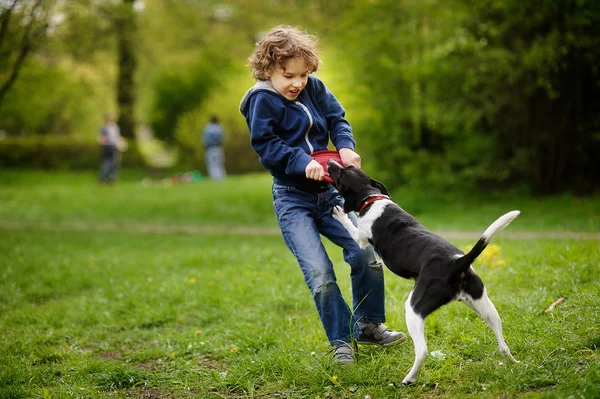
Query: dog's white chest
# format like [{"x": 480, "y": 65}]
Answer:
[{"x": 365, "y": 222}]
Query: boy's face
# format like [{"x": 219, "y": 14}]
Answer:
[{"x": 290, "y": 81}]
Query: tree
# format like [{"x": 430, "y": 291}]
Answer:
[
  {"x": 125, "y": 24},
  {"x": 23, "y": 26},
  {"x": 483, "y": 93},
  {"x": 109, "y": 26},
  {"x": 547, "y": 123}
]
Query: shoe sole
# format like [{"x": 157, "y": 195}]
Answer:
[{"x": 398, "y": 341}]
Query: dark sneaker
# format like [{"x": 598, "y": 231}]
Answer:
[
  {"x": 344, "y": 354},
  {"x": 378, "y": 334}
]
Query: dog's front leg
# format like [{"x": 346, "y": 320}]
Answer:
[{"x": 340, "y": 216}]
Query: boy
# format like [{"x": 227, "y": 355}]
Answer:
[{"x": 291, "y": 114}]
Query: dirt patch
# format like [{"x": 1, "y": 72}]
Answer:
[
  {"x": 208, "y": 363},
  {"x": 148, "y": 366},
  {"x": 147, "y": 394},
  {"x": 111, "y": 355}
]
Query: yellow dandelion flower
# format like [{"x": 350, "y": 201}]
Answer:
[
  {"x": 334, "y": 378},
  {"x": 197, "y": 332},
  {"x": 234, "y": 349},
  {"x": 490, "y": 256},
  {"x": 192, "y": 280}
]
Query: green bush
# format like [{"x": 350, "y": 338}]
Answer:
[
  {"x": 58, "y": 152},
  {"x": 222, "y": 102},
  {"x": 63, "y": 98}
]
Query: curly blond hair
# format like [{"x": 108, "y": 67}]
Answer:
[{"x": 279, "y": 45}]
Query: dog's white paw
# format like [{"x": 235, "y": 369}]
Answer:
[
  {"x": 339, "y": 214},
  {"x": 407, "y": 382}
]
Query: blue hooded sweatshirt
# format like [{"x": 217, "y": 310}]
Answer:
[{"x": 283, "y": 133}]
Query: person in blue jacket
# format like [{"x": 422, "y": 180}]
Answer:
[
  {"x": 212, "y": 138},
  {"x": 290, "y": 114}
]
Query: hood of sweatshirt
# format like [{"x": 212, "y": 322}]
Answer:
[{"x": 259, "y": 86}]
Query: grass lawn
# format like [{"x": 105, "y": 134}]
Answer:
[
  {"x": 92, "y": 313},
  {"x": 75, "y": 197}
]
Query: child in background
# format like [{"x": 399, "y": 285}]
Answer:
[
  {"x": 111, "y": 141},
  {"x": 290, "y": 114},
  {"x": 212, "y": 139}
]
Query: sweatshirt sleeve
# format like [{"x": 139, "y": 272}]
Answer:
[
  {"x": 340, "y": 130},
  {"x": 274, "y": 153}
]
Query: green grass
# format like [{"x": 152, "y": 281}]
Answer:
[
  {"x": 117, "y": 313},
  {"x": 76, "y": 197},
  {"x": 68, "y": 197}
]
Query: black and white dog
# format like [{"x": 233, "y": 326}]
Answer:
[{"x": 442, "y": 272}]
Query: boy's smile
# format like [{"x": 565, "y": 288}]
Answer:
[{"x": 290, "y": 80}]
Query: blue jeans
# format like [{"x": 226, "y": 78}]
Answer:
[
  {"x": 109, "y": 164},
  {"x": 303, "y": 217}
]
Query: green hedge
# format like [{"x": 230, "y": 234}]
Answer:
[{"x": 58, "y": 152}]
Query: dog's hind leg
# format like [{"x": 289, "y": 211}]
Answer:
[
  {"x": 416, "y": 328},
  {"x": 487, "y": 311}
]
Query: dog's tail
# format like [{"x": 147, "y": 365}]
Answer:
[{"x": 463, "y": 263}]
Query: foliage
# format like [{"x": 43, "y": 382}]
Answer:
[
  {"x": 63, "y": 87},
  {"x": 447, "y": 85},
  {"x": 454, "y": 95},
  {"x": 23, "y": 26},
  {"x": 180, "y": 90},
  {"x": 206, "y": 45},
  {"x": 59, "y": 99},
  {"x": 239, "y": 155}
]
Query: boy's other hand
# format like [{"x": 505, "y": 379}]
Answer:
[
  {"x": 314, "y": 171},
  {"x": 349, "y": 157}
]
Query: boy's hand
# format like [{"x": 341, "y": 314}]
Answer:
[
  {"x": 349, "y": 157},
  {"x": 314, "y": 171}
]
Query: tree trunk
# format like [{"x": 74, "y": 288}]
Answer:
[
  {"x": 126, "y": 30},
  {"x": 34, "y": 32}
]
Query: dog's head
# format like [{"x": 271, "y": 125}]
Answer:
[{"x": 354, "y": 185}]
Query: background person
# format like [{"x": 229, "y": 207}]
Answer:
[
  {"x": 212, "y": 138},
  {"x": 111, "y": 141}
]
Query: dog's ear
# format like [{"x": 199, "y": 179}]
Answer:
[{"x": 379, "y": 186}]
